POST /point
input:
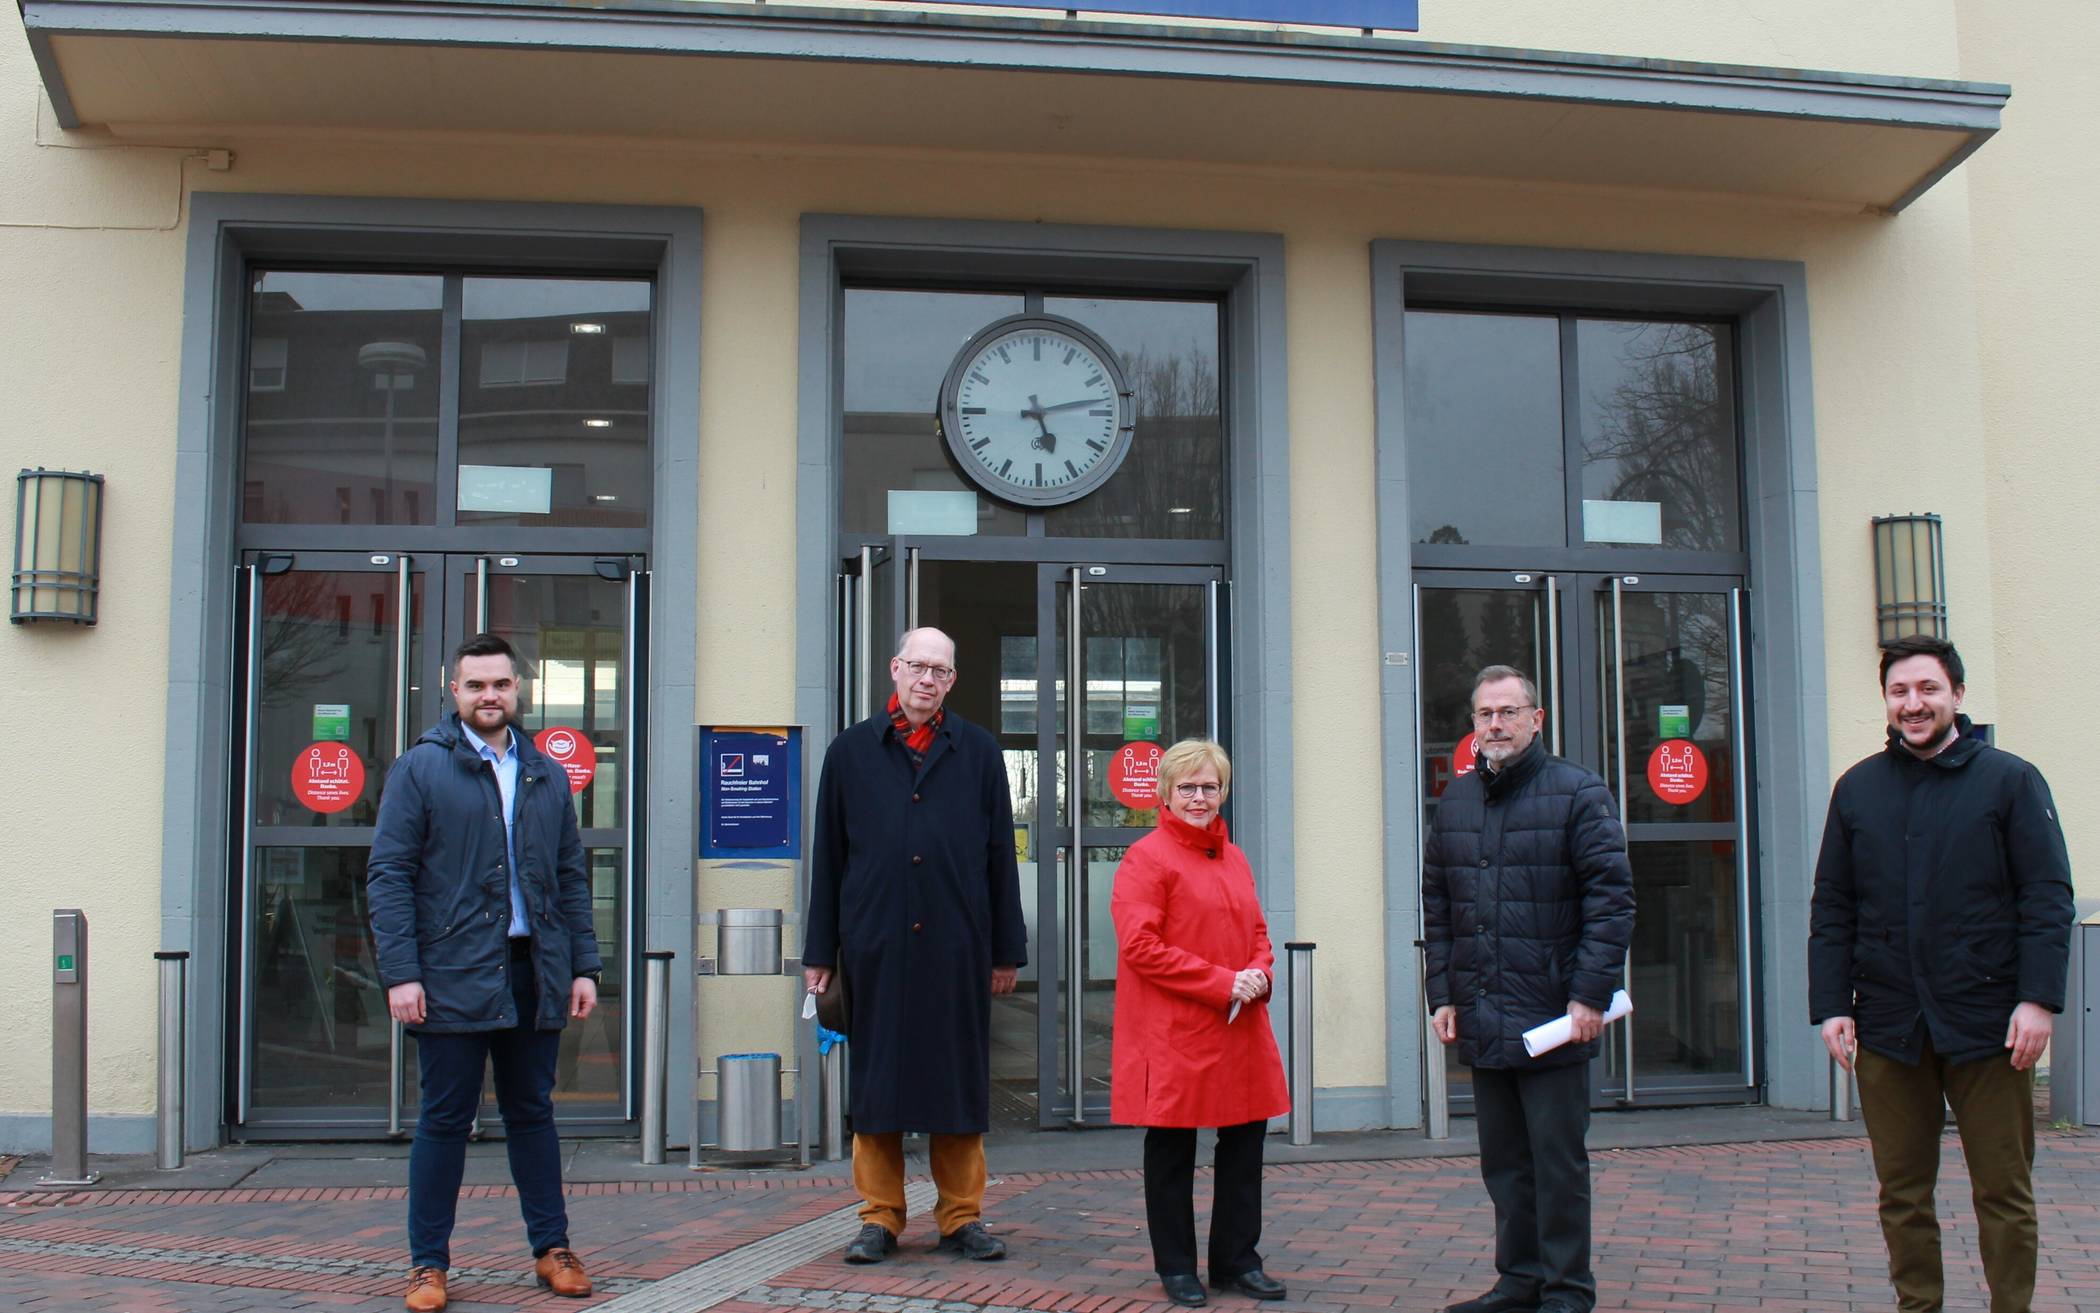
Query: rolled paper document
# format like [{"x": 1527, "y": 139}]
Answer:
[
  {"x": 809, "y": 1006},
  {"x": 1234, "y": 1014},
  {"x": 1553, "y": 1034}
]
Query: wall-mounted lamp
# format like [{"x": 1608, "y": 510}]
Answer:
[
  {"x": 58, "y": 546},
  {"x": 1910, "y": 576}
]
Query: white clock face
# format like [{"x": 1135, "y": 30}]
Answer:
[{"x": 1036, "y": 410}]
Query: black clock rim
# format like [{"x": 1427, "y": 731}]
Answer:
[{"x": 950, "y": 415}]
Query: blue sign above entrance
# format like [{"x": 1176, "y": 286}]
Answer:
[
  {"x": 750, "y": 792},
  {"x": 1390, "y": 15}
]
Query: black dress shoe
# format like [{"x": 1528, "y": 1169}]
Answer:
[
  {"x": 971, "y": 1240},
  {"x": 1183, "y": 1289},
  {"x": 1252, "y": 1282},
  {"x": 1497, "y": 1301},
  {"x": 872, "y": 1245}
]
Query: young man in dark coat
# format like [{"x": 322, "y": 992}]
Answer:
[
  {"x": 481, "y": 908},
  {"x": 1939, "y": 937},
  {"x": 1527, "y": 908},
  {"x": 914, "y": 890}
]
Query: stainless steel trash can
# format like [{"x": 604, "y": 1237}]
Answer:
[
  {"x": 747, "y": 1102},
  {"x": 748, "y": 941}
]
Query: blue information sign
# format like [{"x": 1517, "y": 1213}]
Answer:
[
  {"x": 750, "y": 792},
  {"x": 1389, "y": 15}
]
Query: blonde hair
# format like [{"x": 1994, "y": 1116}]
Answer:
[{"x": 1187, "y": 757}]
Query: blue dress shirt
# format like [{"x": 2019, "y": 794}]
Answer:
[{"x": 506, "y": 764}]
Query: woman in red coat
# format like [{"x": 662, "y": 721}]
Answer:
[{"x": 1192, "y": 1040}]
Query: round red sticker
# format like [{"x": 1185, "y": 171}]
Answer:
[
  {"x": 571, "y": 751},
  {"x": 1677, "y": 771},
  {"x": 328, "y": 777},
  {"x": 1133, "y": 775},
  {"x": 1465, "y": 758}
]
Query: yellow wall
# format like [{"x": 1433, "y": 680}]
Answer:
[
  {"x": 2032, "y": 195},
  {"x": 1899, "y": 308}
]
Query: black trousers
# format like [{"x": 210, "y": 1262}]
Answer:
[
  {"x": 1537, "y": 1171},
  {"x": 1170, "y": 1199}
]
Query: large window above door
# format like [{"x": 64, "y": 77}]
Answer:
[
  {"x": 446, "y": 399},
  {"x": 1571, "y": 430},
  {"x": 897, "y": 477}
]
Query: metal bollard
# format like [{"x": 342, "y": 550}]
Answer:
[
  {"x": 656, "y": 1048},
  {"x": 1436, "y": 1091},
  {"x": 1840, "y": 1093},
  {"x": 69, "y": 984},
  {"x": 174, "y": 981},
  {"x": 1299, "y": 956},
  {"x": 833, "y": 1070}
]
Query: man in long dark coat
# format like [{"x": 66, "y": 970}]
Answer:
[{"x": 915, "y": 892}]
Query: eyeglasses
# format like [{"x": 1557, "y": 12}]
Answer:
[
  {"x": 923, "y": 670},
  {"x": 1188, "y": 791},
  {"x": 1489, "y": 715}
]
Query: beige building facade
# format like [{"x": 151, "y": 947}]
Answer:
[{"x": 1588, "y": 339}]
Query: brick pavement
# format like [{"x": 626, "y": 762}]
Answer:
[{"x": 1781, "y": 1227}]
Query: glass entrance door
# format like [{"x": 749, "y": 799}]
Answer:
[
  {"x": 1664, "y": 728},
  {"x": 1643, "y": 683},
  {"x": 1145, "y": 641},
  {"x": 575, "y": 622},
  {"x": 345, "y": 655},
  {"x": 332, "y": 644}
]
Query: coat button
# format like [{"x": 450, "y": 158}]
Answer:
[
  {"x": 1483, "y": 863},
  {"x": 915, "y": 927},
  {"x": 916, "y": 859},
  {"x": 915, "y": 797}
]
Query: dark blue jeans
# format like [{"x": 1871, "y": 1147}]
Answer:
[{"x": 452, "y": 1066}]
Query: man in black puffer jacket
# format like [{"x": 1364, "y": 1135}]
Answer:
[
  {"x": 1939, "y": 938},
  {"x": 1527, "y": 908}
]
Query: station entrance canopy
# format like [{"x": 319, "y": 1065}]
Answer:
[{"x": 1192, "y": 89}]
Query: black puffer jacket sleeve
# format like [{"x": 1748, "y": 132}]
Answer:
[
  {"x": 2041, "y": 873},
  {"x": 1597, "y": 852}
]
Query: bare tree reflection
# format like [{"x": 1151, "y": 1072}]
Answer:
[{"x": 1666, "y": 427}]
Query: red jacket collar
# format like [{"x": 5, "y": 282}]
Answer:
[{"x": 1210, "y": 841}]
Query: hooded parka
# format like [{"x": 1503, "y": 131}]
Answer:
[
  {"x": 1527, "y": 903},
  {"x": 438, "y": 882},
  {"x": 914, "y": 888},
  {"x": 1942, "y": 900},
  {"x": 1187, "y": 921}
]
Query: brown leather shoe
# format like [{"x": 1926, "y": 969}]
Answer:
[
  {"x": 560, "y": 1271},
  {"x": 426, "y": 1290}
]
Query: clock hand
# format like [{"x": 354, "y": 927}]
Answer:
[
  {"x": 1073, "y": 405},
  {"x": 1046, "y": 441}
]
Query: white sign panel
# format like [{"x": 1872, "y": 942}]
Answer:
[
  {"x": 932, "y": 513},
  {"x": 1622, "y": 522},
  {"x": 514, "y": 489}
]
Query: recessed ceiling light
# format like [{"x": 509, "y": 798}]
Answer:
[
  {"x": 597, "y": 423},
  {"x": 1181, "y": 510},
  {"x": 585, "y": 327}
]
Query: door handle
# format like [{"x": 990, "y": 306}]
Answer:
[{"x": 1075, "y": 852}]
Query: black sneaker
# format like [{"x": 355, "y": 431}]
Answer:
[
  {"x": 971, "y": 1240},
  {"x": 872, "y": 1245},
  {"x": 1497, "y": 1301}
]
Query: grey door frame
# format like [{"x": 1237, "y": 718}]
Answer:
[{"x": 229, "y": 232}]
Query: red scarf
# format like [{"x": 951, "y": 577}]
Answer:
[{"x": 915, "y": 740}]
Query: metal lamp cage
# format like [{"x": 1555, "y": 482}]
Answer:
[
  {"x": 58, "y": 546},
  {"x": 1910, "y": 576}
]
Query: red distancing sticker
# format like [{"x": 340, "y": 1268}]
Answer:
[
  {"x": 1133, "y": 774},
  {"x": 1465, "y": 758},
  {"x": 570, "y": 750},
  {"x": 1677, "y": 771},
  {"x": 328, "y": 777}
]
